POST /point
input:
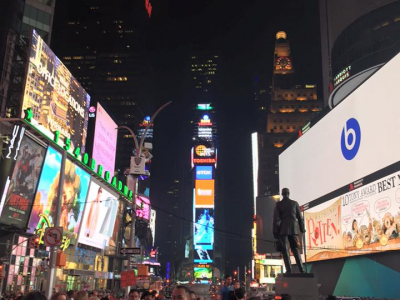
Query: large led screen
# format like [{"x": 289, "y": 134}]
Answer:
[
  {"x": 58, "y": 101},
  {"x": 99, "y": 217},
  {"x": 76, "y": 184},
  {"x": 203, "y": 256},
  {"x": 362, "y": 221},
  {"x": 204, "y": 227},
  {"x": 204, "y": 172},
  {"x": 204, "y": 193},
  {"x": 357, "y": 138},
  {"x": 143, "y": 207},
  {"x": 203, "y": 273},
  {"x": 105, "y": 140},
  {"x": 20, "y": 170}
]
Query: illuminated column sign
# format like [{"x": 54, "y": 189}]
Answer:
[{"x": 203, "y": 161}]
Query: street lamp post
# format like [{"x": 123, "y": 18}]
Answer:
[{"x": 134, "y": 174}]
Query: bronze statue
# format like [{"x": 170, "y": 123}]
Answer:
[{"x": 287, "y": 226}]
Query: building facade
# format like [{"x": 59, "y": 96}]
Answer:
[
  {"x": 102, "y": 44},
  {"x": 356, "y": 35},
  {"x": 291, "y": 107}
]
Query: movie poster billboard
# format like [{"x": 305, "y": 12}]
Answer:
[
  {"x": 20, "y": 167},
  {"x": 105, "y": 140},
  {"x": 113, "y": 243},
  {"x": 99, "y": 217},
  {"x": 58, "y": 101},
  {"x": 362, "y": 221},
  {"x": 76, "y": 184},
  {"x": 323, "y": 231},
  {"x": 204, "y": 227}
]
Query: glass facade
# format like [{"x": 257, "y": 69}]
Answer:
[{"x": 370, "y": 40}]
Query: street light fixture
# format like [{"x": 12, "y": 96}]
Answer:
[{"x": 137, "y": 168}]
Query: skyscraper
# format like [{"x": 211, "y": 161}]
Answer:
[
  {"x": 292, "y": 105},
  {"x": 102, "y": 44}
]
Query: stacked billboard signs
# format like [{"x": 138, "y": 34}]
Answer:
[
  {"x": 99, "y": 217},
  {"x": 105, "y": 140},
  {"x": 58, "y": 101},
  {"x": 76, "y": 183},
  {"x": 350, "y": 191},
  {"x": 20, "y": 169},
  {"x": 203, "y": 159}
]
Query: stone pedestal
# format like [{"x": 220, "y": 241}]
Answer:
[{"x": 299, "y": 286}]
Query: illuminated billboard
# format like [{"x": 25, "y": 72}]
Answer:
[
  {"x": 143, "y": 207},
  {"x": 204, "y": 172},
  {"x": 354, "y": 139},
  {"x": 204, "y": 227},
  {"x": 204, "y": 150},
  {"x": 364, "y": 220},
  {"x": 76, "y": 185},
  {"x": 20, "y": 170},
  {"x": 203, "y": 256},
  {"x": 203, "y": 273},
  {"x": 58, "y": 101},
  {"x": 204, "y": 193},
  {"x": 99, "y": 216},
  {"x": 105, "y": 140}
]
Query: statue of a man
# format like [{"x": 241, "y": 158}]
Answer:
[{"x": 287, "y": 226}]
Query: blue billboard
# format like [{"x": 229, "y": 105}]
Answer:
[{"x": 204, "y": 172}]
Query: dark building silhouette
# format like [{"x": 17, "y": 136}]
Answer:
[{"x": 102, "y": 44}]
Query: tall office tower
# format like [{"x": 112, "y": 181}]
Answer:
[
  {"x": 292, "y": 105},
  {"x": 206, "y": 78},
  {"x": 18, "y": 18},
  {"x": 102, "y": 44}
]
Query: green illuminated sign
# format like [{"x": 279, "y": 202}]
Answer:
[
  {"x": 204, "y": 106},
  {"x": 85, "y": 159}
]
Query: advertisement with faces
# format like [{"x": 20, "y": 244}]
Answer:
[
  {"x": 99, "y": 216},
  {"x": 362, "y": 221},
  {"x": 20, "y": 168},
  {"x": 76, "y": 182}
]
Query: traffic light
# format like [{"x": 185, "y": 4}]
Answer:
[
  {"x": 34, "y": 242},
  {"x": 235, "y": 273},
  {"x": 248, "y": 271}
]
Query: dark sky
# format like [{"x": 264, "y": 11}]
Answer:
[{"x": 244, "y": 33}]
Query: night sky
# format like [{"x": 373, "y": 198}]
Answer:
[{"x": 243, "y": 32}]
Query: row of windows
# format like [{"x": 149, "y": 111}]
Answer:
[
  {"x": 298, "y": 95},
  {"x": 117, "y": 78},
  {"x": 37, "y": 14},
  {"x": 299, "y": 106}
]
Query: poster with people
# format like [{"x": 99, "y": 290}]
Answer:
[
  {"x": 23, "y": 162},
  {"x": 364, "y": 220},
  {"x": 99, "y": 217},
  {"x": 76, "y": 182}
]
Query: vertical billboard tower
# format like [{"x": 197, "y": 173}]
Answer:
[{"x": 204, "y": 163}]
